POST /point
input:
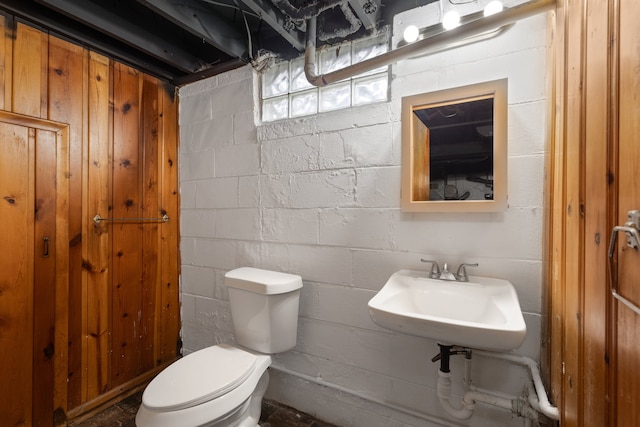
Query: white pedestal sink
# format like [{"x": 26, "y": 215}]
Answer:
[{"x": 482, "y": 313}]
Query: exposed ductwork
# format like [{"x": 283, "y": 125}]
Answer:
[
  {"x": 186, "y": 40},
  {"x": 354, "y": 26},
  {"x": 308, "y": 11}
]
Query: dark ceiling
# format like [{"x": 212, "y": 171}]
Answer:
[{"x": 187, "y": 40}]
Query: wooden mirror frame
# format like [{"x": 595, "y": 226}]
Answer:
[{"x": 415, "y": 173}]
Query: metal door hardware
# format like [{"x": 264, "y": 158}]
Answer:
[
  {"x": 45, "y": 249},
  {"x": 630, "y": 229}
]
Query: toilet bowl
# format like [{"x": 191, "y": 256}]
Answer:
[{"x": 223, "y": 385}]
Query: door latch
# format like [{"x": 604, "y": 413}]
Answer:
[
  {"x": 633, "y": 221},
  {"x": 630, "y": 229}
]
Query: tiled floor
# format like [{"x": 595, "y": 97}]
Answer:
[{"x": 273, "y": 415}]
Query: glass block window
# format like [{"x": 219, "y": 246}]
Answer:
[{"x": 286, "y": 93}]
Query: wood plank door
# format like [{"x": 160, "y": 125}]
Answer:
[
  {"x": 33, "y": 242},
  {"x": 624, "y": 319}
]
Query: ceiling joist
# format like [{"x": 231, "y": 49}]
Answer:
[
  {"x": 186, "y": 40},
  {"x": 198, "y": 22},
  {"x": 125, "y": 31},
  {"x": 276, "y": 19}
]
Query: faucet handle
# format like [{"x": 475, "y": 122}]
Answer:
[
  {"x": 461, "y": 274},
  {"x": 435, "y": 269}
]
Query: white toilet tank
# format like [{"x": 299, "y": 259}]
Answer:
[{"x": 264, "y": 308}]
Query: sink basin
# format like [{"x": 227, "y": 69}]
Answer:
[{"x": 482, "y": 313}]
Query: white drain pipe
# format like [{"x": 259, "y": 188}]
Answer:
[
  {"x": 473, "y": 395},
  {"x": 443, "y": 388},
  {"x": 538, "y": 399},
  {"x": 427, "y": 46},
  {"x": 365, "y": 396}
]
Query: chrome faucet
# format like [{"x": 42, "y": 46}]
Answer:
[
  {"x": 446, "y": 274},
  {"x": 460, "y": 275},
  {"x": 435, "y": 269}
]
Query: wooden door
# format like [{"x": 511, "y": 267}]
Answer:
[
  {"x": 33, "y": 242},
  {"x": 625, "y": 320}
]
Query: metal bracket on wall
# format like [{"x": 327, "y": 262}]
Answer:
[{"x": 630, "y": 228}]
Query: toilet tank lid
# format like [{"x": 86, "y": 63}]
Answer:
[{"x": 262, "y": 281}]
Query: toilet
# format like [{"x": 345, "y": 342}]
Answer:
[{"x": 223, "y": 385}]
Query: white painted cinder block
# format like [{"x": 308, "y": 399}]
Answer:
[
  {"x": 198, "y": 281},
  {"x": 211, "y": 133},
  {"x": 213, "y": 253},
  {"x": 290, "y": 225},
  {"x": 378, "y": 187},
  {"x": 249, "y": 192},
  {"x": 324, "y": 189},
  {"x": 237, "y": 160},
  {"x": 197, "y": 109},
  {"x": 217, "y": 193},
  {"x": 319, "y": 196},
  {"x": 294, "y": 154},
  {"x": 242, "y": 224},
  {"x": 197, "y": 223},
  {"x": 244, "y": 128},
  {"x": 197, "y": 165}
]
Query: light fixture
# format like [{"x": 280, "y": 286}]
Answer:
[
  {"x": 493, "y": 7},
  {"x": 438, "y": 28},
  {"x": 451, "y": 20},
  {"x": 411, "y": 34}
]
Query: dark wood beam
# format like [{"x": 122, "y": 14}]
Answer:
[
  {"x": 202, "y": 24},
  {"x": 109, "y": 23},
  {"x": 214, "y": 70},
  {"x": 47, "y": 20}
]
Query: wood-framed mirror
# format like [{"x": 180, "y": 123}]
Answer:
[{"x": 454, "y": 149}]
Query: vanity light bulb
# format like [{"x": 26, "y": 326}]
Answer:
[
  {"x": 493, "y": 7},
  {"x": 451, "y": 20},
  {"x": 411, "y": 34}
]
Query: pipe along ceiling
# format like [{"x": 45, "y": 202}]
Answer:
[{"x": 186, "y": 40}]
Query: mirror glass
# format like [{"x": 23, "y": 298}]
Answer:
[{"x": 454, "y": 149}]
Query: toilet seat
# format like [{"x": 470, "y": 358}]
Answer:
[
  {"x": 212, "y": 412},
  {"x": 201, "y": 376}
]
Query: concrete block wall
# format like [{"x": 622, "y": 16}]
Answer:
[{"x": 319, "y": 197}]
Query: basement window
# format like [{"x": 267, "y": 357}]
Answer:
[{"x": 286, "y": 93}]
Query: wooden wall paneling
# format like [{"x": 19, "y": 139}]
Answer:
[
  {"x": 601, "y": 75},
  {"x": 6, "y": 61},
  {"x": 46, "y": 167},
  {"x": 97, "y": 299},
  {"x": 62, "y": 275},
  {"x": 555, "y": 252},
  {"x": 45, "y": 242},
  {"x": 29, "y": 71},
  {"x": 627, "y": 326},
  {"x": 127, "y": 236},
  {"x": 16, "y": 272},
  {"x": 67, "y": 87},
  {"x": 629, "y": 146},
  {"x": 596, "y": 233},
  {"x": 116, "y": 286},
  {"x": 169, "y": 307},
  {"x": 612, "y": 200},
  {"x": 574, "y": 214},
  {"x": 150, "y": 209}
]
